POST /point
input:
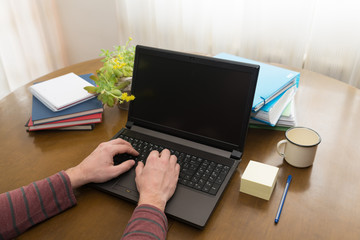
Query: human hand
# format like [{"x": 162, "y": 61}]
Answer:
[
  {"x": 156, "y": 182},
  {"x": 99, "y": 165}
]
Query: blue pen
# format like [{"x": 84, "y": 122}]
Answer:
[{"x": 283, "y": 199}]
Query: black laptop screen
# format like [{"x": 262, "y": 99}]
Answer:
[{"x": 198, "y": 98}]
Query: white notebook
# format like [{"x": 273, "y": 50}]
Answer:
[{"x": 61, "y": 92}]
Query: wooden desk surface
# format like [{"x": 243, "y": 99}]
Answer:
[{"x": 323, "y": 201}]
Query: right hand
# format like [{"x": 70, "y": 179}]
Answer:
[{"x": 156, "y": 182}]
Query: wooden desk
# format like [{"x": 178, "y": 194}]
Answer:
[{"x": 323, "y": 201}]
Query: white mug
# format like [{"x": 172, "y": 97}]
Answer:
[{"x": 300, "y": 146}]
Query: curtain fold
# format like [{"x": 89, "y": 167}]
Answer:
[
  {"x": 30, "y": 42},
  {"x": 319, "y": 35}
]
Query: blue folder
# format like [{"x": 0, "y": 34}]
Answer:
[{"x": 272, "y": 80}]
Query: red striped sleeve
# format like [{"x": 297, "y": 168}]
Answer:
[
  {"x": 147, "y": 222},
  {"x": 26, "y": 206}
]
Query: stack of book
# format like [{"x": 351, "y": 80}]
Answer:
[
  {"x": 62, "y": 104},
  {"x": 274, "y": 104}
]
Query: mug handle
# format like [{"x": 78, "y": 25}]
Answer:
[{"x": 278, "y": 147}]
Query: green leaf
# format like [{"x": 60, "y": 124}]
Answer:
[
  {"x": 90, "y": 89},
  {"x": 123, "y": 84},
  {"x": 109, "y": 68},
  {"x": 116, "y": 92},
  {"x": 117, "y": 73},
  {"x": 113, "y": 79},
  {"x": 110, "y": 101},
  {"x": 94, "y": 77},
  {"x": 104, "y": 98}
]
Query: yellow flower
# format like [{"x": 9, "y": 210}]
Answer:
[
  {"x": 125, "y": 97},
  {"x": 119, "y": 65},
  {"x": 130, "y": 98}
]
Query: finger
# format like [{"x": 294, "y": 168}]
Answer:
[
  {"x": 176, "y": 174},
  {"x": 123, "y": 167},
  {"x": 173, "y": 159},
  {"x": 139, "y": 168},
  {"x": 165, "y": 154},
  {"x": 153, "y": 156},
  {"x": 123, "y": 148},
  {"x": 131, "y": 151},
  {"x": 177, "y": 169}
]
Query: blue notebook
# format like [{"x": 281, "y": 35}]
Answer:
[
  {"x": 42, "y": 114},
  {"x": 272, "y": 80}
]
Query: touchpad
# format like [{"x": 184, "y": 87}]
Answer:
[{"x": 126, "y": 182}]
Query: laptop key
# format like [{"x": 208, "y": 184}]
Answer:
[{"x": 215, "y": 187}]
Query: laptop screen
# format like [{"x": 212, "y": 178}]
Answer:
[{"x": 198, "y": 98}]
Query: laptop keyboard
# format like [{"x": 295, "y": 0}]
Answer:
[{"x": 195, "y": 172}]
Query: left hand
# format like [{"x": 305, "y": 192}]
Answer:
[{"x": 99, "y": 165}]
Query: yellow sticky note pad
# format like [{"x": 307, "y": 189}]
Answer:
[{"x": 259, "y": 179}]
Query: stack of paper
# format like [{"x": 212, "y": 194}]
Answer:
[
  {"x": 259, "y": 180},
  {"x": 288, "y": 116},
  {"x": 287, "y": 119},
  {"x": 79, "y": 116},
  {"x": 271, "y": 112}
]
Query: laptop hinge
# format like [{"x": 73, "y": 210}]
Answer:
[
  {"x": 129, "y": 124},
  {"x": 235, "y": 154}
]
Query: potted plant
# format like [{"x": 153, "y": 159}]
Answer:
[{"x": 113, "y": 79}]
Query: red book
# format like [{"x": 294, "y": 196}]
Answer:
[{"x": 82, "y": 120}]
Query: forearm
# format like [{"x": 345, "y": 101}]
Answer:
[
  {"x": 26, "y": 206},
  {"x": 77, "y": 179},
  {"x": 147, "y": 222}
]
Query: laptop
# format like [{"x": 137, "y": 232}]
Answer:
[{"x": 198, "y": 107}]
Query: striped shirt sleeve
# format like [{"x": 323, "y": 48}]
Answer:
[
  {"x": 147, "y": 222},
  {"x": 26, "y": 206}
]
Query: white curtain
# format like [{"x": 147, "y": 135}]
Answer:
[
  {"x": 319, "y": 35},
  {"x": 30, "y": 42}
]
